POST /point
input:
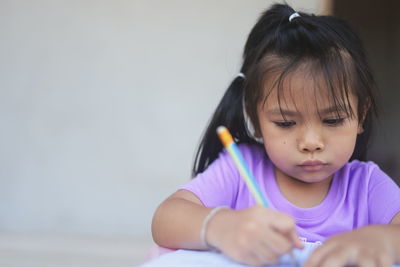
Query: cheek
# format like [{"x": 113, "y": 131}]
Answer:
[
  {"x": 277, "y": 149},
  {"x": 276, "y": 143},
  {"x": 344, "y": 146},
  {"x": 279, "y": 154}
]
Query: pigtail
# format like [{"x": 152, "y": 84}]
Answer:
[{"x": 228, "y": 113}]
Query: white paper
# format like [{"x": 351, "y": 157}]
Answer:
[{"x": 192, "y": 258}]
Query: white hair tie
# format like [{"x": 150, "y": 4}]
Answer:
[
  {"x": 294, "y": 15},
  {"x": 241, "y": 74}
]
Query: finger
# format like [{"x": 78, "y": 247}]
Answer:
[
  {"x": 294, "y": 237},
  {"x": 384, "y": 261},
  {"x": 276, "y": 242},
  {"x": 247, "y": 258},
  {"x": 333, "y": 262},
  {"x": 283, "y": 223},
  {"x": 260, "y": 258},
  {"x": 254, "y": 260},
  {"x": 334, "y": 255},
  {"x": 366, "y": 262},
  {"x": 286, "y": 225},
  {"x": 267, "y": 256},
  {"x": 318, "y": 255}
]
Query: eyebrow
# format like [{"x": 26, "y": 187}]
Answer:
[{"x": 287, "y": 112}]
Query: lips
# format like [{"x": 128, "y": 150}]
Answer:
[{"x": 312, "y": 165}]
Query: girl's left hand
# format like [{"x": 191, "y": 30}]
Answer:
[{"x": 368, "y": 246}]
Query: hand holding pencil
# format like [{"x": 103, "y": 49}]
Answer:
[{"x": 256, "y": 235}]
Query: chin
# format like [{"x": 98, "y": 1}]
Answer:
[{"x": 310, "y": 178}]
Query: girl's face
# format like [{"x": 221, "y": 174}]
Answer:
[{"x": 310, "y": 141}]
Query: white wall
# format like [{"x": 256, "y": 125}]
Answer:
[{"x": 102, "y": 104}]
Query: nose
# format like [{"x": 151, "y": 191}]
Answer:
[{"x": 311, "y": 140}]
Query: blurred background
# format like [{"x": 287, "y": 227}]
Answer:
[{"x": 102, "y": 105}]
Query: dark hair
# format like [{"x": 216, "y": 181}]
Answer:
[{"x": 276, "y": 45}]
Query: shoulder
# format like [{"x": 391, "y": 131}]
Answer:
[
  {"x": 366, "y": 173},
  {"x": 367, "y": 183},
  {"x": 356, "y": 167}
]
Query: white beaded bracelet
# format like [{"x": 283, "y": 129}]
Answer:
[{"x": 204, "y": 226}]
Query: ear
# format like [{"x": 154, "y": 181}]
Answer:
[
  {"x": 258, "y": 136},
  {"x": 360, "y": 128},
  {"x": 364, "y": 115}
]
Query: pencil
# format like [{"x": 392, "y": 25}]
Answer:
[{"x": 233, "y": 150}]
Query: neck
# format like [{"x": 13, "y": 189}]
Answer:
[{"x": 301, "y": 194}]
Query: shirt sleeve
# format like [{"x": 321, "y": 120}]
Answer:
[
  {"x": 218, "y": 184},
  {"x": 383, "y": 197}
]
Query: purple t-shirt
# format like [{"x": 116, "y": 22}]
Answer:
[{"x": 360, "y": 194}]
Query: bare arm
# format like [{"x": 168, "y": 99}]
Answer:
[
  {"x": 396, "y": 221},
  {"x": 177, "y": 221}
]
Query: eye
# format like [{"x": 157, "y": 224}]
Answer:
[
  {"x": 334, "y": 122},
  {"x": 285, "y": 124}
]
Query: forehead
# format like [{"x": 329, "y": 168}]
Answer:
[{"x": 305, "y": 89}]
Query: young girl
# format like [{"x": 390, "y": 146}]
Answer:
[{"x": 301, "y": 110}]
